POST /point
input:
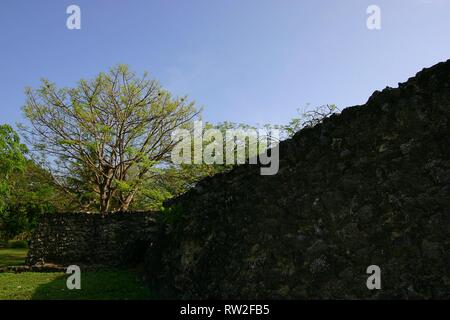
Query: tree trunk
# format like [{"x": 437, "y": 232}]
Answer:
[
  {"x": 105, "y": 190},
  {"x": 104, "y": 203},
  {"x": 105, "y": 199},
  {"x": 125, "y": 203}
]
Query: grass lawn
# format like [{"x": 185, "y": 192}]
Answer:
[{"x": 98, "y": 285}]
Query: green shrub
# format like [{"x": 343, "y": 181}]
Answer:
[
  {"x": 15, "y": 244},
  {"x": 171, "y": 215}
]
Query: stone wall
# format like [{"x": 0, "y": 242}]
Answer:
[
  {"x": 368, "y": 186},
  {"x": 80, "y": 238}
]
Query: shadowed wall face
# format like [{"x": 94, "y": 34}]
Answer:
[
  {"x": 370, "y": 186},
  {"x": 71, "y": 238}
]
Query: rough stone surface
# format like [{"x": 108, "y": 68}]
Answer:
[
  {"x": 91, "y": 239},
  {"x": 368, "y": 186}
]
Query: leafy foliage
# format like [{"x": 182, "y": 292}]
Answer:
[
  {"x": 12, "y": 159},
  {"x": 27, "y": 190},
  {"x": 104, "y": 136},
  {"x": 309, "y": 119}
]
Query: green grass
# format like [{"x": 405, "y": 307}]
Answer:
[
  {"x": 12, "y": 256},
  {"x": 98, "y": 285}
]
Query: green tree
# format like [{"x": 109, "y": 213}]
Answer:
[
  {"x": 172, "y": 180},
  {"x": 12, "y": 159},
  {"x": 32, "y": 193},
  {"x": 308, "y": 119},
  {"x": 108, "y": 132}
]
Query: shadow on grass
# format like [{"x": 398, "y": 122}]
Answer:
[
  {"x": 98, "y": 285},
  {"x": 113, "y": 284}
]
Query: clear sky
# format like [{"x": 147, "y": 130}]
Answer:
[{"x": 252, "y": 61}]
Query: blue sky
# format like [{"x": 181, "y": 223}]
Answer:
[{"x": 252, "y": 61}]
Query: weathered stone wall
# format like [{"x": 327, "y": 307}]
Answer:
[
  {"x": 80, "y": 238},
  {"x": 369, "y": 186}
]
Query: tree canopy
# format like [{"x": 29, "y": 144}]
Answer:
[
  {"x": 109, "y": 133},
  {"x": 12, "y": 158}
]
